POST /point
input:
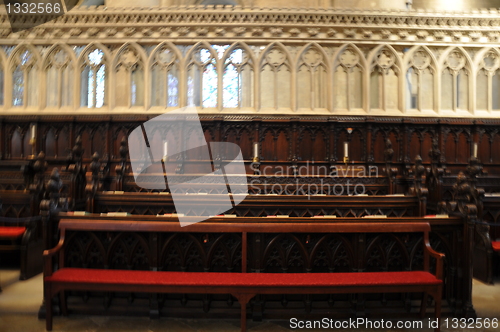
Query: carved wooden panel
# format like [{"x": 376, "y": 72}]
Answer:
[{"x": 279, "y": 253}]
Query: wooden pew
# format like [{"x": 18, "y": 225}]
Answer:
[
  {"x": 487, "y": 239},
  {"x": 21, "y": 186},
  {"x": 23, "y": 235},
  {"x": 278, "y": 253},
  {"x": 243, "y": 285}
]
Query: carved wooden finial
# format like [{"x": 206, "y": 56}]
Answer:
[
  {"x": 40, "y": 164},
  {"x": 78, "y": 149},
  {"x": 434, "y": 152},
  {"x": 95, "y": 166},
  {"x": 418, "y": 168},
  {"x": 388, "y": 152},
  {"x": 55, "y": 183},
  {"x": 123, "y": 149}
]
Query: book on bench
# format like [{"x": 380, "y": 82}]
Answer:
[
  {"x": 116, "y": 214},
  {"x": 78, "y": 213},
  {"x": 171, "y": 215},
  {"x": 436, "y": 216}
]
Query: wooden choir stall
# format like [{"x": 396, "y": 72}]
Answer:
[{"x": 294, "y": 220}]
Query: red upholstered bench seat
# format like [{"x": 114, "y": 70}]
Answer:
[
  {"x": 214, "y": 279},
  {"x": 11, "y": 232},
  {"x": 495, "y": 245}
]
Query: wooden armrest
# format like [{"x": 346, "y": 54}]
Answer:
[
  {"x": 47, "y": 257},
  {"x": 439, "y": 260}
]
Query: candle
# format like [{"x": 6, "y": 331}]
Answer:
[
  {"x": 255, "y": 149},
  {"x": 32, "y": 131},
  {"x": 165, "y": 149},
  {"x": 475, "y": 150},
  {"x": 346, "y": 149}
]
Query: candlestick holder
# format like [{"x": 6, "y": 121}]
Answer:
[
  {"x": 346, "y": 160},
  {"x": 33, "y": 150},
  {"x": 256, "y": 165}
]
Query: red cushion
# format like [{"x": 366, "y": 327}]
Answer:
[
  {"x": 496, "y": 245},
  {"x": 77, "y": 275},
  {"x": 8, "y": 232}
]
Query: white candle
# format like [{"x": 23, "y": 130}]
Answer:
[
  {"x": 32, "y": 131},
  {"x": 475, "y": 150},
  {"x": 255, "y": 149},
  {"x": 165, "y": 149},
  {"x": 346, "y": 149}
]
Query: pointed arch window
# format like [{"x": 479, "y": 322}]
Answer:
[
  {"x": 384, "y": 87},
  {"x": 93, "y": 79},
  {"x": 202, "y": 77},
  {"x": 455, "y": 83},
  {"x": 420, "y": 82},
  {"x": 165, "y": 79},
  {"x": 129, "y": 83},
  {"x": 59, "y": 77},
  {"x": 488, "y": 83},
  {"x": 275, "y": 78},
  {"x": 24, "y": 79},
  {"x": 312, "y": 80},
  {"x": 348, "y": 81},
  {"x": 237, "y": 80}
]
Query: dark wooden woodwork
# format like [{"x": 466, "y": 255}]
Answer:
[
  {"x": 278, "y": 253},
  {"x": 264, "y": 205},
  {"x": 314, "y": 143},
  {"x": 29, "y": 245},
  {"x": 283, "y": 140},
  {"x": 251, "y": 284}
]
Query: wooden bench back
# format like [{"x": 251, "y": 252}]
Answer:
[
  {"x": 263, "y": 205},
  {"x": 129, "y": 225}
]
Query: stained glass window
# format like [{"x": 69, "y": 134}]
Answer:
[
  {"x": 172, "y": 90},
  {"x": 24, "y": 80},
  {"x": 203, "y": 78},
  {"x": 95, "y": 57},
  {"x": 210, "y": 85},
  {"x": 232, "y": 87},
  {"x": 17, "y": 87},
  {"x": 94, "y": 80},
  {"x": 99, "y": 92},
  {"x": 233, "y": 79}
]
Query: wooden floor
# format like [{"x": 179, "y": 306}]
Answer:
[{"x": 20, "y": 301}]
